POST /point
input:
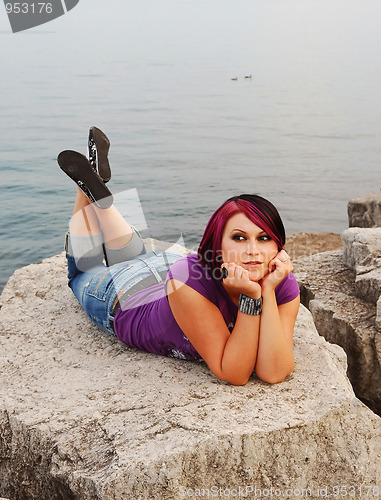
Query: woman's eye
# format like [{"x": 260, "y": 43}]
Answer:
[
  {"x": 238, "y": 237},
  {"x": 264, "y": 237}
]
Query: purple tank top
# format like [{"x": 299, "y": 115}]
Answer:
[{"x": 145, "y": 320}]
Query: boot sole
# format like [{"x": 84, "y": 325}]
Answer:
[
  {"x": 102, "y": 144},
  {"x": 78, "y": 168}
]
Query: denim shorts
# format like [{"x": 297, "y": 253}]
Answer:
[{"x": 98, "y": 287}]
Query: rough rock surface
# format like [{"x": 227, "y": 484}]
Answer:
[
  {"x": 82, "y": 416},
  {"x": 365, "y": 211},
  {"x": 362, "y": 254},
  {"x": 300, "y": 245},
  {"x": 343, "y": 318},
  {"x": 362, "y": 249}
]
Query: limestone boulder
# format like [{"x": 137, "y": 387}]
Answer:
[
  {"x": 343, "y": 318},
  {"x": 365, "y": 211},
  {"x": 362, "y": 249},
  {"x": 362, "y": 254},
  {"x": 83, "y": 416},
  {"x": 368, "y": 285}
]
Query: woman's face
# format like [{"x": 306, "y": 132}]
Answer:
[{"x": 248, "y": 246}]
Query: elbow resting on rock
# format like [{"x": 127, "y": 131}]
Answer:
[
  {"x": 269, "y": 378},
  {"x": 272, "y": 380},
  {"x": 235, "y": 379},
  {"x": 239, "y": 382},
  {"x": 275, "y": 378}
]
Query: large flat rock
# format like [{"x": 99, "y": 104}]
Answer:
[{"x": 83, "y": 416}]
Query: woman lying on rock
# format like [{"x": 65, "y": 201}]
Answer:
[{"x": 234, "y": 304}]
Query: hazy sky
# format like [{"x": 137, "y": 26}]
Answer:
[
  {"x": 321, "y": 52},
  {"x": 188, "y": 30}
]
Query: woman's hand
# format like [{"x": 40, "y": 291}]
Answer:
[
  {"x": 279, "y": 267},
  {"x": 238, "y": 281}
]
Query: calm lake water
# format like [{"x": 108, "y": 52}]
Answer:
[{"x": 156, "y": 76}]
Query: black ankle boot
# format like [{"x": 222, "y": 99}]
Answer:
[
  {"x": 78, "y": 168},
  {"x": 98, "y": 147}
]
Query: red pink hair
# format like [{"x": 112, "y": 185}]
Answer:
[{"x": 259, "y": 210}]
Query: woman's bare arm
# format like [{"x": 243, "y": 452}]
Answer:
[
  {"x": 275, "y": 359},
  {"x": 262, "y": 342},
  {"x": 230, "y": 356}
]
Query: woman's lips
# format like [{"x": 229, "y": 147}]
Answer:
[{"x": 251, "y": 264}]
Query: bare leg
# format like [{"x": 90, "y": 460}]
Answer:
[
  {"x": 90, "y": 220},
  {"x": 84, "y": 221},
  {"x": 116, "y": 231}
]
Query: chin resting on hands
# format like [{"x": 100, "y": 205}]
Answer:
[
  {"x": 238, "y": 279},
  {"x": 279, "y": 267}
]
